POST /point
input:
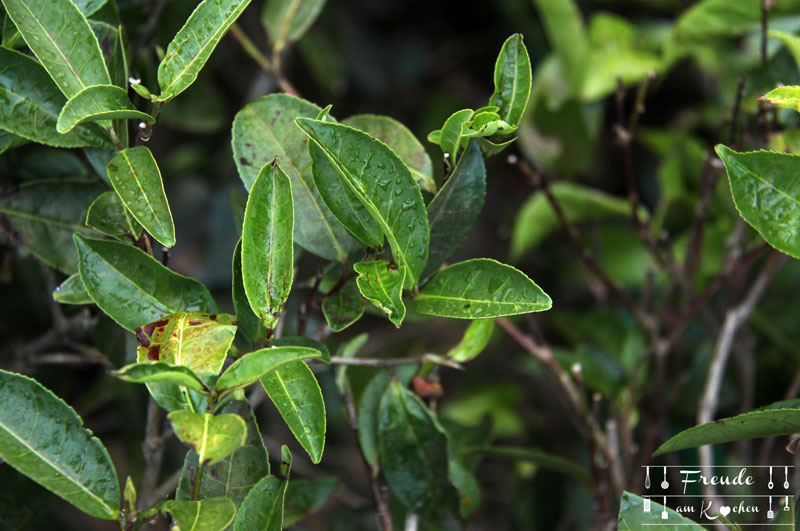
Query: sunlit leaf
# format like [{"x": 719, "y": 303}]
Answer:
[
  {"x": 213, "y": 437},
  {"x": 160, "y": 372},
  {"x": 209, "y": 514},
  {"x": 512, "y": 80},
  {"x": 98, "y": 102},
  {"x": 253, "y": 366}
]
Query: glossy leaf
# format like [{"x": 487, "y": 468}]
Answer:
[
  {"x": 304, "y": 497},
  {"x": 267, "y": 244},
  {"x": 72, "y": 58},
  {"x": 136, "y": 178},
  {"x": 264, "y": 130},
  {"x": 368, "y": 409},
  {"x": 413, "y": 451},
  {"x": 249, "y": 322},
  {"x": 42, "y": 215},
  {"x": 454, "y": 210},
  {"x": 161, "y": 372},
  {"x": 44, "y": 439},
  {"x": 132, "y": 287},
  {"x": 235, "y": 475},
  {"x": 343, "y": 308},
  {"x": 382, "y": 285},
  {"x": 301, "y": 341},
  {"x": 30, "y": 104},
  {"x": 787, "y": 97},
  {"x": 253, "y": 366},
  {"x": 633, "y": 517},
  {"x": 567, "y": 35},
  {"x": 288, "y": 20},
  {"x": 262, "y": 509},
  {"x": 450, "y": 137},
  {"x": 766, "y": 194},
  {"x": 512, "y": 80},
  {"x": 71, "y": 291},
  {"x": 764, "y": 423},
  {"x": 384, "y": 186},
  {"x": 98, "y": 102},
  {"x": 108, "y": 215},
  {"x": 213, "y": 437},
  {"x": 475, "y": 339},
  {"x": 209, "y": 514},
  {"x": 402, "y": 141},
  {"x": 192, "y": 46},
  {"x": 480, "y": 288}
]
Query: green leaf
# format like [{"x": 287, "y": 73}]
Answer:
[
  {"x": 30, "y": 104},
  {"x": 534, "y": 455},
  {"x": 717, "y": 18},
  {"x": 9, "y": 141},
  {"x": 72, "y": 57},
  {"x": 267, "y": 245},
  {"x": 129, "y": 496},
  {"x": 368, "y": 408},
  {"x": 249, "y": 322},
  {"x": 765, "y": 423},
  {"x": 480, "y": 288},
  {"x": 454, "y": 210},
  {"x": 262, "y": 509},
  {"x": 537, "y": 219},
  {"x": 490, "y": 148},
  {"x": 512, "y": 80},
  {"x": 384, "y": 186},
  {"x": 304, "y": 497},
  {"x": 343, "y": 308},
  {"x": 42, "y": 215},
  {"x": 235, "y": 475},
  {"x": 766, "y": 194},
  {"x": 567, "y": 35},
  {"x": 484, "y": 125},
  {"x": 210, "y": 514},
  {"x": 401, "y": 141},
  {"x": 787, "y": 97},
  {"x": 792, "y": 43},
  {"x": 382, "y": 285},
  {"x": 253, "y": 366},
  {"x": 114, "y": 47},
  {"x": 632, "y": 516},
  {"x": 192, "y": 46},
  {"x": 467, "y": 486},
  {"x": 44, "y": 439},
  {"x": 98, "y": 102},
  {"x": 12, "y": 40},
  {"x": 450, "y": 137},
  {"x": 136, "y": 178},
  {"x": 294, "y": 390},
  {"x": 264, "y": 130},
  {"x": 213, "y": 437},
  {"x": 159, "y": 371},
  {"x": 475, "y": 339},
  {"x": 413, "y": 451},
  {"x": 71, "y": 291},
  {"x": 288, "y": 20},
  {"x": 132, "y": 287},
  {"x": 108, "y": 215},
  {"x": 300, "y": 341}
]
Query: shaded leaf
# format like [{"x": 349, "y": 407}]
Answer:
[
  {"x": 209, "y": 514},
  {"x": 534, "y": 455},
  {"x": 42, "y": 215},
  {"x": 253, "y": 366},
  {"x": 44, "y": 439},
  {"x": 454, "y": 210},
  {"x": 512, "y": 80},
  {"x": 294, "y": 390},
  {"x": 213, "y": 437},
  {"x": 368, "y": 409},
  {"x": 249, "y": 322},
  {"x": 71, "y": 291},
  {"x": 262, "y": 509},
  {"x": 402, "y": 141},
  {"x": 475, "y": 339},
  {"x": 30, "y": 104},
  {"x": 480, "y": 288},
  {"x": 267, "y": 245},
  {"x": 132, "y": 287},
  {"x": 98, "y": 102},
  {"x": 383, "y": 185},
  {"x": 632, "y": 516},
  {"x": 72, "y": 58},
  {"x": 382, "y": 285},
  {"x": 467, "y": 486},
  {"x": 343, "y": 308},
  {"x": 159, "y": 371},
  {"x": 114, "y": 47},
  {"x": 304, "y": 497},
  {"x": 108, "y": 214},
  {"x": 792, "y": 43},
  {"x": 264, "y": 130},
  {"x": 9, "y": 141},
  {"x": 192, "y": 45},
  {"x": 287, "y": 20},
  {"x": 136, "y": 178}
]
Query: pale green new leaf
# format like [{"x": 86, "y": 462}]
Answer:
[
  {"x": 132, "y": 287},
  {"x": 135, "y": 176},
  {"x": 60, "y": 36},
  {"x": 632, "y": 516},
  {"x": 267, "y": 244},
  {"x": 209, "y": 514},
  {"x": 160, "y": 372},
  {"x": 44, "y": 439},
  {"x": 213, "y": 437},
  {"x": 264, "y": 130},
  {"x": 108, "y": 215},
  {"x": 294, "y": 390},
  {"x": 480, "y": 288},
  {"x": 98, "y": 102},
  {"x": 512, "y": 80},
  {"x": 787, "y": 97},
  {"x": 450, "y": 136},
  {"x": 253, "y": 366},
  {"x": 192, "y": 46},
  {"x": 30, "y": 104},
  {"x": 475, "y": 339},
  {"x": 287, "y": 20},
  {"x": 383, "y": 185},
  {"x": 71, "y": 291},
  {"x": 766, "y": 193},
  {"x": 382, "y": 285}
]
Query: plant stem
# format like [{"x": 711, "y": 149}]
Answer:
[
  {"x": 198, "y": 479},
  {"x": 250, "y": 48}
]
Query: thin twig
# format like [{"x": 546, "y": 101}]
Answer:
[
  {"x": 250, "y": 48},
  {"x": 389, "y": 362}
]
